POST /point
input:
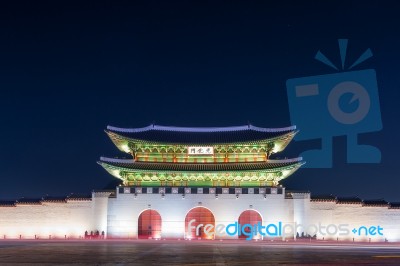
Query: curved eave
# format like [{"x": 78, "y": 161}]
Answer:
[
  {"x": 115, "y": 170},
  {"x": 288, "y": 172},
  {"x": 112, "y": 170},
  {"x": 283, "y": 141},
  {"x": 122, "y": 142}
]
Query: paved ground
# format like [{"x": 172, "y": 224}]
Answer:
[{"x": 168, "y": 252}]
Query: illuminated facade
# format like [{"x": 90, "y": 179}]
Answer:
[
  {"x": 209, "y": 157},
  {"x": 185, "y": 174},
  {"x": 185, "y": 183}
]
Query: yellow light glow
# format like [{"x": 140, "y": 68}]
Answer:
[{"x": 125, "y": 148}]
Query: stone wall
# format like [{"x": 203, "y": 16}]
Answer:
[
  {"x": 364, "y": 219},
  {"x": 46, "y": 220},
  {"x": 118, "y": 216}
]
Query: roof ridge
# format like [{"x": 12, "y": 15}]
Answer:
[{"x": 200, "y": 129}]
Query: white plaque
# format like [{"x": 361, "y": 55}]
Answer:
[{"x": 192, "y": 150}]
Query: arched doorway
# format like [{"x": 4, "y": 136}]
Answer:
[
  {"x": 149, "y": 225},
  {"x": 251, "y": 217},
  {"x": 201, "y": 222}
]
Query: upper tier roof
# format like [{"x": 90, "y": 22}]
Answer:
[{"x": 201, "y": 135}]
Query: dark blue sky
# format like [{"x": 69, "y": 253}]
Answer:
[{"x": 68, "y": 71}]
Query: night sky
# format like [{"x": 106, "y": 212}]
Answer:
[{"x": 69, "y": 70}]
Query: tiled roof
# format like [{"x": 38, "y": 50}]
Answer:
[
  {"x": 7, "y": 203},
  {"x": 348, "y": 200},
  {"x": 298, "y": 191},
  {"x": 27, "y": 201},
  {"x": 103, "y": 190},
  {"x": 54, "y": 199},
  {"x": 46, "y": 199},
  {"x": 79, "y": 197},
  {"x": 323, "y": 198},
  {"x": 394, "y": 205},
  {"x": 375, "y": 203},
  {"x": 156, "y": 133},
  {"x": 129, "y": 164},
  {"x": 355, "y": 200}
]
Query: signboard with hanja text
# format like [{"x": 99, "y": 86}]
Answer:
[{"x": 200, "y": 150}]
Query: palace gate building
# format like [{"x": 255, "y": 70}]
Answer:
[{"x": 187, "y": 183}]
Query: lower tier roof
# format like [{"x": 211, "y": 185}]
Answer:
[{"x": 200, "y": 167}]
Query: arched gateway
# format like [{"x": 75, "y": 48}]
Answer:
[
  {"x": 149, "y": 225},
  {"x": 251, "y": 217},
  {"x": 199, "y": 224}
]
